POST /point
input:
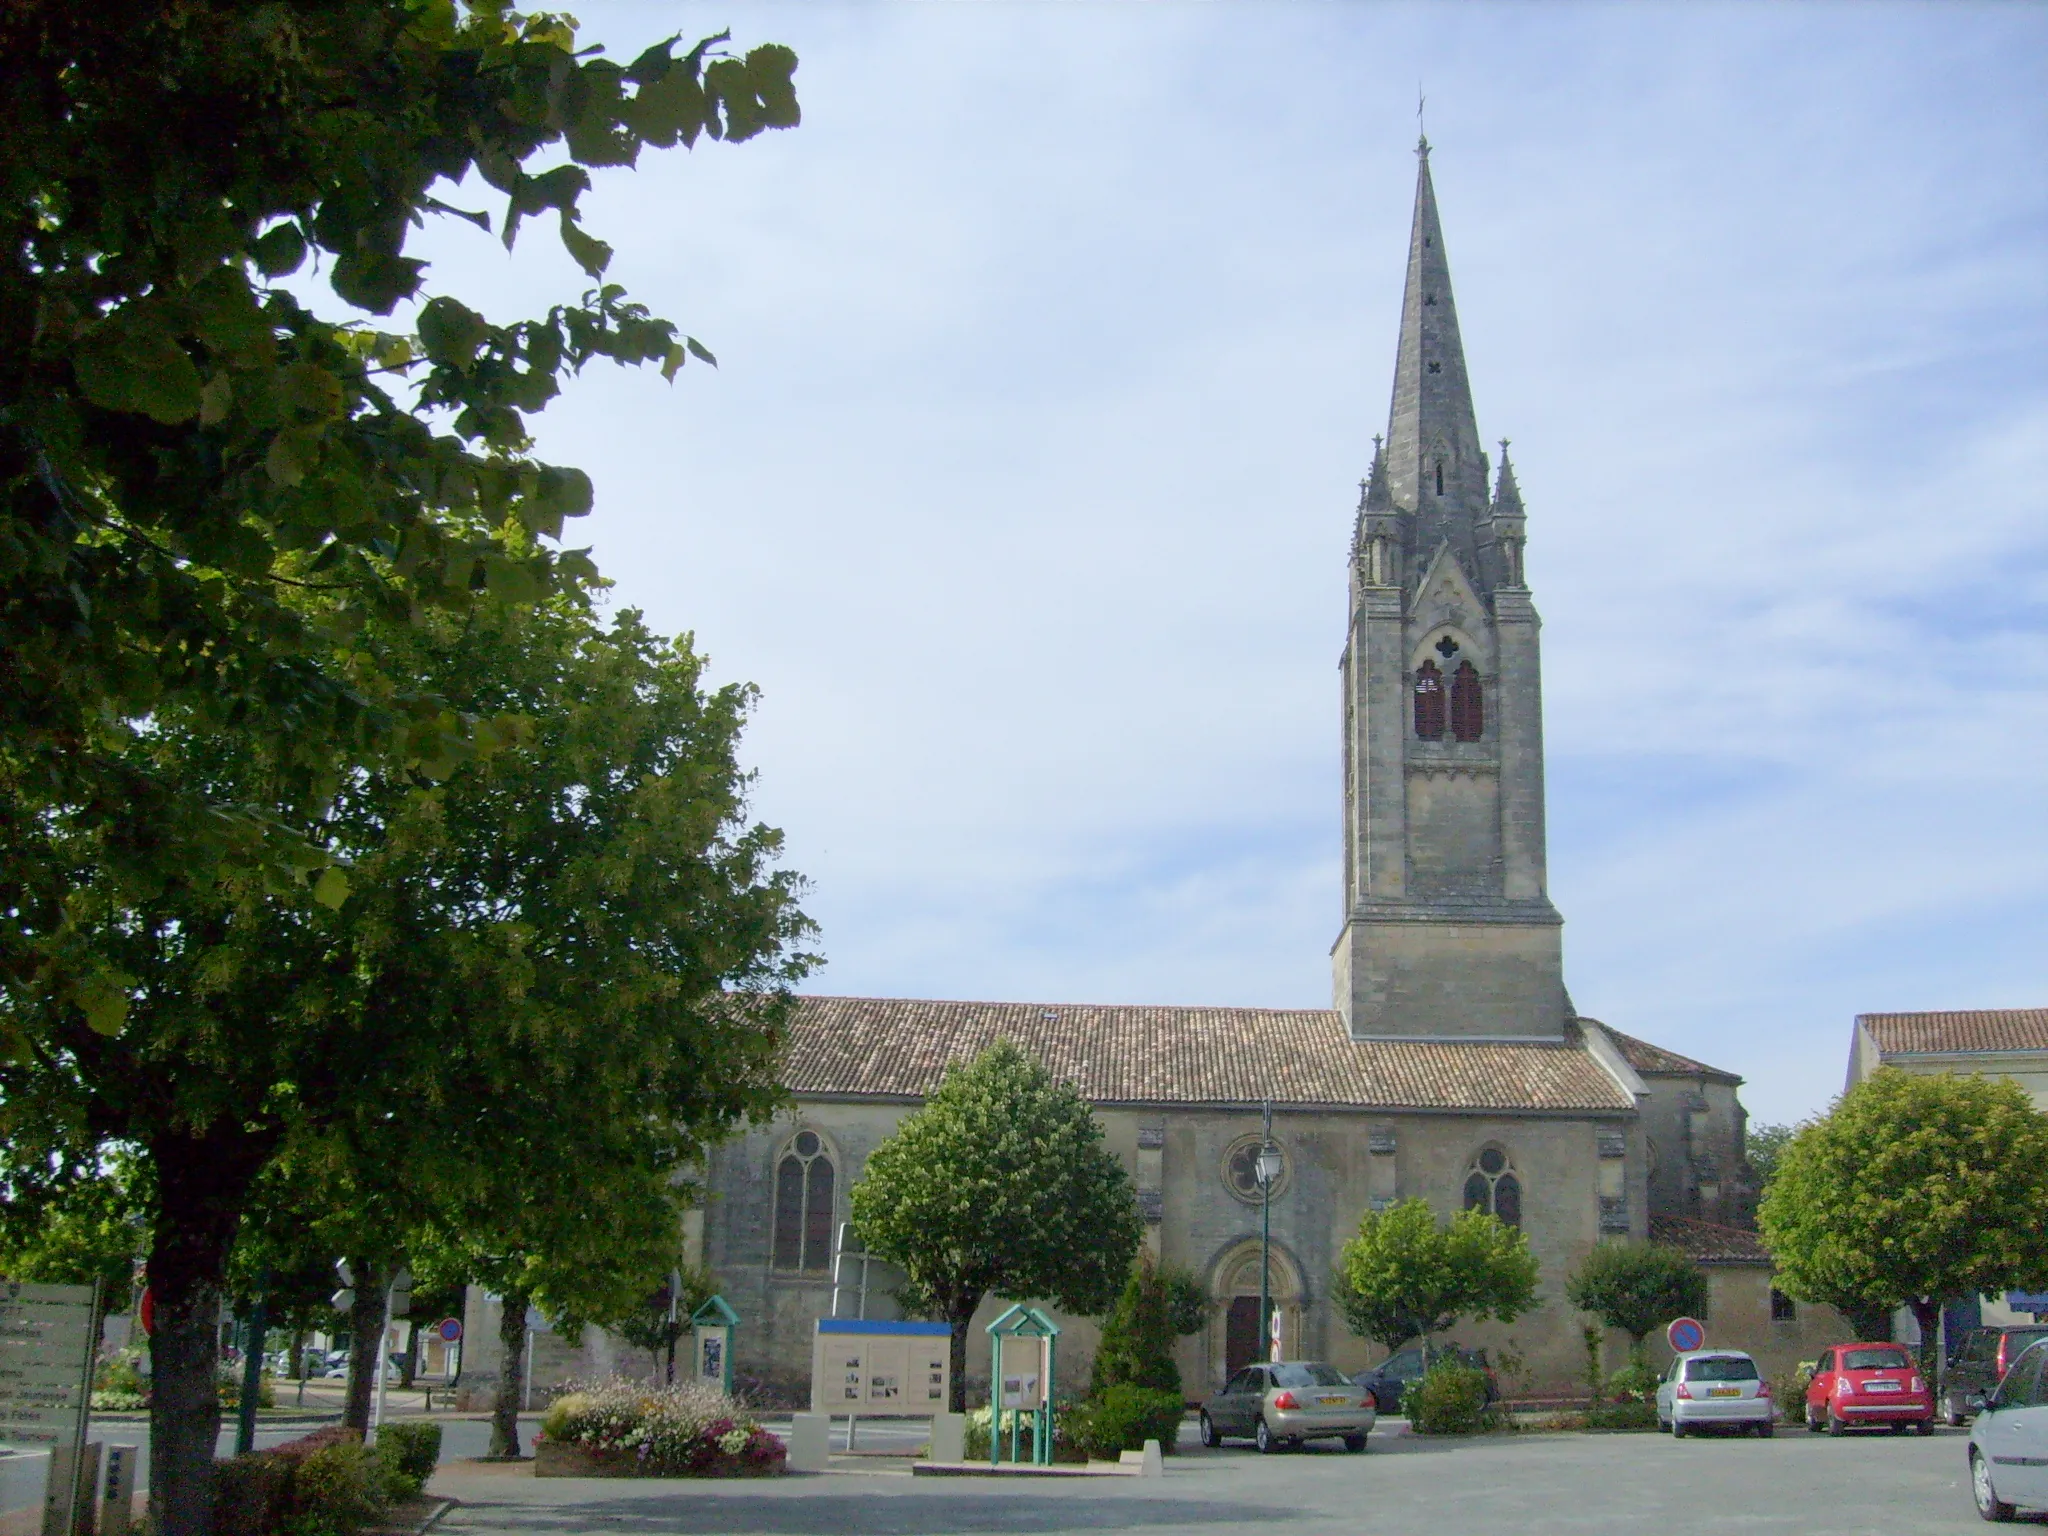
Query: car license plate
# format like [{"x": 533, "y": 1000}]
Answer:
[
  {"x": 1336, "y": 1402},
  {"x": 1724, "y": 1391},
  {"x": 1882, "y": 1386}
]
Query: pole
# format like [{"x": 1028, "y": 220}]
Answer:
[
  {"x": 1265, "y": 1239},
  {"x": 383, "y": 1361},
  {"x": 252, "y": 1371}
]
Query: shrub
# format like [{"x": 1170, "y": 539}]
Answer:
[
  {"x": 1066, "y": 1445},
  {"x": 1449, "y": 1400},
  {"x": 1635, "y": 1382},
  {"x": 410, "y": 1452},
  {"x": 1137, "y": 1337},
  {"x": 1125, "y": 1417},
  {"x": 688, "y": 1430},
  {"x": 322, "y": 1484}
]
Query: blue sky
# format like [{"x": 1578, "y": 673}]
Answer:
[{"x": 1051, "y": 347}]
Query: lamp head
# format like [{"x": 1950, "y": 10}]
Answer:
[{"x": 1268, "y": 1164}]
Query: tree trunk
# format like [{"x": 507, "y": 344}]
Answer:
[
  {"x": 202, "y": 1182},
  {"x": 962, "y": 1318},
  {"x": 1871, "y": 1323},
  {"x": 511, "y": 1374},
  {"x": 366, "y": 1323}
]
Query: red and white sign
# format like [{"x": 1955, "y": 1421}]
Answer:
[
  {"x": 449, "y": 1328},
  {"x": 1686, "y": 1333}
]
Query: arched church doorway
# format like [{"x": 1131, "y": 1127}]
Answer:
[{"x": 1234, "y": 1293}]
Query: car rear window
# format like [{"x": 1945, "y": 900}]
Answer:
[
  {"x": 1313, "y": 1375},
  {"x": 1721, "y": 1368},
  {"x": 1874, "y": 1360}
]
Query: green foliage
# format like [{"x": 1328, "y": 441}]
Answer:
[
  {"x": 1637, "y": 1287},
  {"x": 1630, "y": 1415},
  {"x": 207, "y": 488},
  {"x": 1912, "y": 1189},
  {"x": 411, "y": 1450},
  {"x": 1405, "y": 1275},
  {"x": 323, "y": 1484},
  {"x": 87, "y": 1224},
  {"x": 1000, "y": 1185},
  {"x": 1764, "y": 1146},
  {"x": 1136, "y": 1348},
  {"x": 1123, "y": 1417},
  {"x": 1450, "y": 1399},
  {"x": 650, "y": 1325},
  {"x": 691, "y": 1429},
  {"x": 1635, "y": 1382},
  {"x": 1589, "y": 1336},
  {"x": 1066, "y": 1447},
  {"x": 1187, "y": 1300}
]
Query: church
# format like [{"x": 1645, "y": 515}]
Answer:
[{"x": 1451, "y": 1064}]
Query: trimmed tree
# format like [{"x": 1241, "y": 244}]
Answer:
[
  {"x": 1136, "y": 1348},
  {"x": 1408, "y": 1276},
  {"x": 1911, "y": 1191},
  {"x": 999, "y": 1185},
  {"x": 1637, "y": 1287}
]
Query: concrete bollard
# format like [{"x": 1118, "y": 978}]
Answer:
[
  {"x": 117, "y": 1511},
  {"x": 810, "y": 1443},
  {"x": 1154, "y": 1460},
  {"x": 949, "y": 1437}
]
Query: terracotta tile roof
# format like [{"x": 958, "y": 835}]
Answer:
[
  {"x": 1976, "y": 1029},
  {"x": 1130, "y": 1055},
  {"x": 1645, "y": 1057},
  {"x": 1708, "y": 1242}
]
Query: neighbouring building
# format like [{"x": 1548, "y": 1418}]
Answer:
[{"x": 1451, "y": 1065}]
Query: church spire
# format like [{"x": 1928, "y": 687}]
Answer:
[{"x": 1435, "y": 467}]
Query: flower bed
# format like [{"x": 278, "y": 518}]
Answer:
[{"x": 623, "y": 1428}]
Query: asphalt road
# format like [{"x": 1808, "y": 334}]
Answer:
[{"x": 1529, "y": 1484}]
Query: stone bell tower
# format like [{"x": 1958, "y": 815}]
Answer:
[{"x": 1449, "y": 932}]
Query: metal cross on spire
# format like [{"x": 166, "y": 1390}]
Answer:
[{"x": 1421, "y": 129}]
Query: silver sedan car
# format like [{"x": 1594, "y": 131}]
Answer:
[{"x": 1286, "y": 1403}]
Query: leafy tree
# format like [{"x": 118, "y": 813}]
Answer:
[
  {"x": 583, "y": 917},
  {"x": 97, "y": 1230},
  {"x": 187, "y": 449},
  {"x": 1136, "y": 1348},
  {"x": 1912, "y": 1190},
  {"x": 1764, "y": 1146},
  {"x": 999, "y": 1185},
  {"x": 1637, "y": 1287},
  {"x": 1406, "y": 1276},
  {"x": 655, "y": 1325}
]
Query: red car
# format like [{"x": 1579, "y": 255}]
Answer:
[{"x": 1868, "y": 1384}]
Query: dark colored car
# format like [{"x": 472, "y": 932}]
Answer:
[
  {"x": 1980, "y": 1362},
  {"x": 1393, "y": 1375}
]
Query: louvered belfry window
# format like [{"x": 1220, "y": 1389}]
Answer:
[
  {"x": 1429, "y": 702},
  {"x": 1468, "y": 703}
]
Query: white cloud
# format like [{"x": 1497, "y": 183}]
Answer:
[{"x": 1051, "y": 346}]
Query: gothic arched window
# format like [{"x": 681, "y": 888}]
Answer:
[
  {"x": 1429, "y": 702},
  {"x": 1468, "y": 703},
  {"x": 803, "y": 1204},
  {"x": 1492, "y": 1186}
]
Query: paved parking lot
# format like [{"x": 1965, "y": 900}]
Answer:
[{"x": 1534, "y": 1484}]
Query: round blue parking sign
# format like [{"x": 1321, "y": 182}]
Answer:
[{"x": 1686, "y": 1333}]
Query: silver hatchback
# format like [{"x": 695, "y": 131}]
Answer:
[
  {"x": 1286, "y": 1403},
  {"x": 1714, "y": 1389}
]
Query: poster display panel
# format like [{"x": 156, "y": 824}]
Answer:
[{"x": 880, "y": 1369}]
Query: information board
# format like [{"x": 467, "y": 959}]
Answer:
[
  {"x": 880, "y": 1369},
  {"x": 47, "y": 1345}
]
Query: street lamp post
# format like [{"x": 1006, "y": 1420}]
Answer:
[{"x": 1266, "y": 1170}]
